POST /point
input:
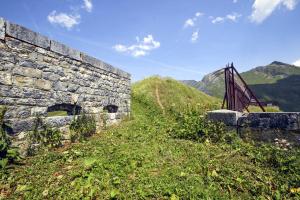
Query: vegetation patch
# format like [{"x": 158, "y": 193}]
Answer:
[
  {"x": 150, "y": 157},
  {"x": 43, "y": 137},
  {"x": 8, "y": 154},
  {"x": 82, "y": 126},
  {"x": 57, "y": 113}
]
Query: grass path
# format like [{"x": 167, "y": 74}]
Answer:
[{"x": 158, "y": 99}]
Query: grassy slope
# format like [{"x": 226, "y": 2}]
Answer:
[
  {"x": 140, "y": 160},
  {"x": 172, "y": 93}
]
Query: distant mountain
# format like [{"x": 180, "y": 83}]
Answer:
[{"x": 277, "y": 82}]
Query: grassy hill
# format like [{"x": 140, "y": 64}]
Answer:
[
  {"x": 266, "y": 82},
  {"x": 140, "y": 159},
  {"x": 172, "y": 94}
]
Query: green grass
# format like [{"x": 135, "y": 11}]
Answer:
[
  {"x": 173, "y": 94},
  {"x": 140, "y": 160},
  {"x": 267, "y": 109},
  {"x": 57, "y": 113}
]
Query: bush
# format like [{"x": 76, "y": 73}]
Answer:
[
  {"x": 7, "y": 153},
  {"x": 43, "y": 136},
  {"x": 191, "y": 124},
  {"x": 285, "y": 162},
  {"x": 82, "y": 127}
]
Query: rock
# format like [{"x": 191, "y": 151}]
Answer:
[
  {"x": 22, "y": 81},
  {"x": 38, "y": 111},
  {"x": 59, "y": 121},
  {"x": 5, "y": 78},
  {"x": 43, "y": 84},
  {"x": 30, "y": 72}
]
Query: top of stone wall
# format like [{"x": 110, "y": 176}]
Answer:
[{"x": 21, "y": 33}]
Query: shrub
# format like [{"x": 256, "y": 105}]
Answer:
[
  {"x": 191, "y": 124},
  {"x": 7, "y": 153},
  {"x": 104, "y": 119},
  {"x": 82, "y": 127},
  {"x": 43, "y": 136}
]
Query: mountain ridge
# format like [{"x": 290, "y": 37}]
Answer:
[{"x": 265, "y": 81}]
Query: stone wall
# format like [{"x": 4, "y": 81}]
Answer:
[
  {"x": 288, "y": 121},
  {"x": 37, "y": 73},
  {"x": 262, "y": 126}
]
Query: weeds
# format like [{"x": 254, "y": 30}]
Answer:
[
  {"x": 190, "y": 123},
  {"x": 43, "y": 136},
  {"x": 82, "y": 127},
  {"x": 7, "y": 153}
]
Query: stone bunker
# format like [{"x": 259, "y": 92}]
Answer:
[{"x": 39, "y": 75}]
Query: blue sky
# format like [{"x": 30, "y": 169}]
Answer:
[{"x": 183, "y": 39}]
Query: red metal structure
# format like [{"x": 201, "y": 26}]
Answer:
[{"x": 238, "y": 96}]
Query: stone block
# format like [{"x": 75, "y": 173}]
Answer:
[
  {"x": 27, "y": 35},
  {"x": 20, "y": 125},
  {"x": 2, "y": 29},
  {"x": 60, "y": 86},
  {"x": 91, "y": 60},
  {"x": 38, "y": 111},
  {"x": 228, "y": 117},
  {"x": 22, "y": 81},
  {"x": 21, "y": 112},
  {"x": 58, "y": 121},
  {"x": 74, "y": 98},
  {"x": 30, "y": 72},
  {"x": 5, "y": 78},
  {"x": 64, "y": 50},
  {"x": 43, "y": 84}
]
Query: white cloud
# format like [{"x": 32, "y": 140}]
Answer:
[
  {"x": 297, "y": 63},
  {"x": 290, "y": 4},
  {"x": 63, "y": 19},
  {"x": 262, "y": 9},
  {"x": 141, "y": 48},
  {"x": 217, "y": 20},
  {"x": 235, "y": 1},
  {"x": 198, "y": 14},
  {"x": 88, "y": 6},
  {"x": 195, "y": 36},
  {"x": 233, "y": 17},
  {"x": 191, "y": 21}
]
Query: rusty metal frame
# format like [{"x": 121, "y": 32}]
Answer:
[{"x": 235, "y": 97}]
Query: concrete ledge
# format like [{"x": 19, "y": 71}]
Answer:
[
  {"x": 104, "y": 66},
  {"x": 228, "y": 117},
  {"x": 2, "y": 28},
  {"x": 27, "y": 35},
  {"x": 64, "y": 50}
]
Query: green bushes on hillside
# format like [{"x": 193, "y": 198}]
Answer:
[
  {"x": 43, "y": 137},
  {"x": 190, "y": 123},
  {"x": 7, "y": 153},
  {"x": 82, "y": 127}
]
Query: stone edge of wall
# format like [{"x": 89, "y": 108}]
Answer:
[{"x": 26, "y": 35}]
